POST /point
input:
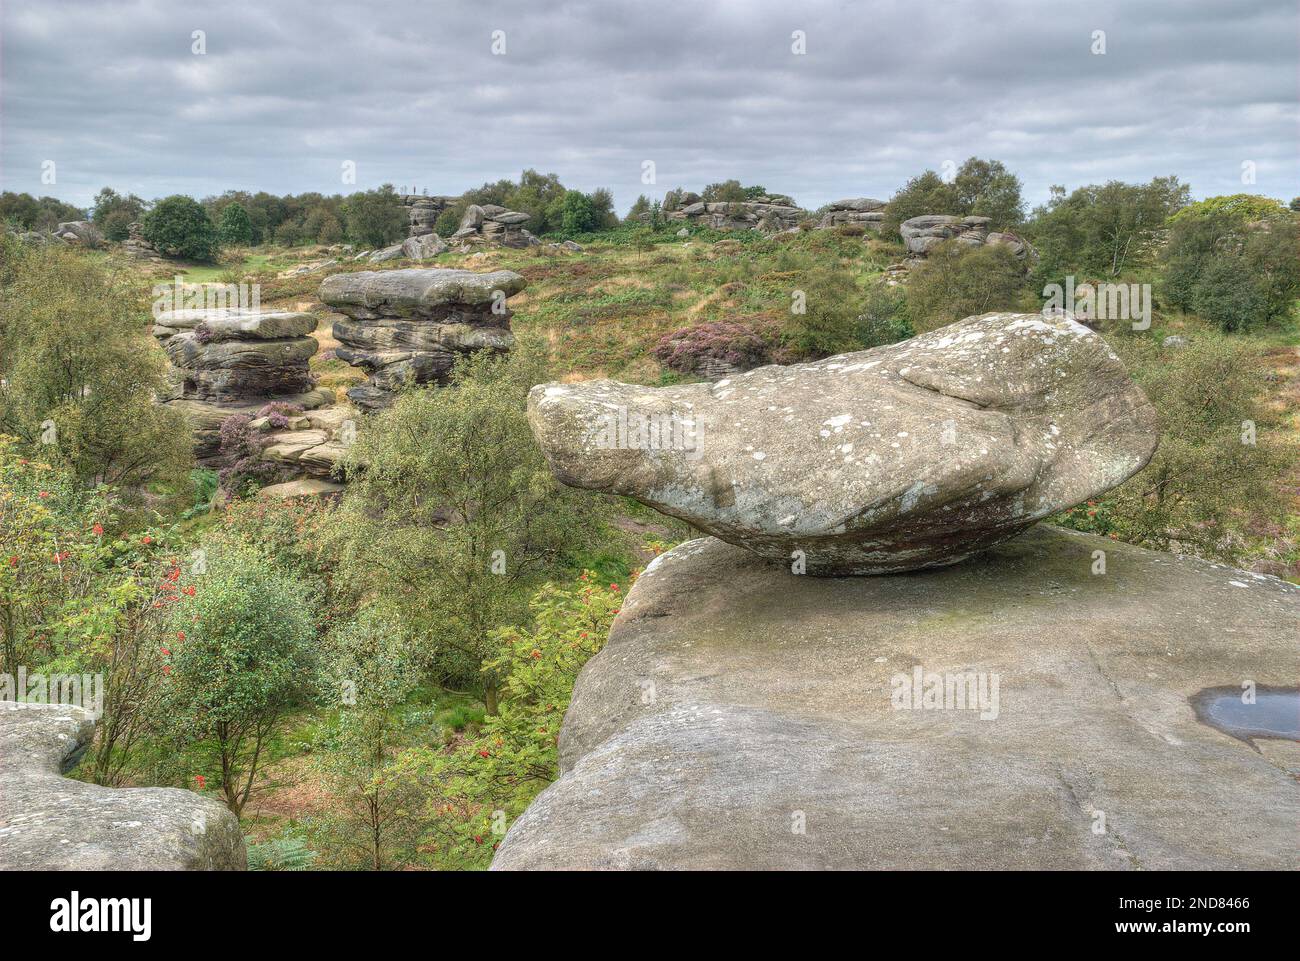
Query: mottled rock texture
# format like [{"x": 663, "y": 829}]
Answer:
[
  {"x": 741, "y": 717},
  {"x": 409, "y": 326},
  {"x": 908, "y": 456},
  {"x": 51, "y": 823}
]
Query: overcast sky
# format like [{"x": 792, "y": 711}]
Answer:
[{"x": 288, "y": 90}]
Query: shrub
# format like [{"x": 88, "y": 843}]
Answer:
[
  {"x": 93, "y": 408},
  {"x": 243, "y": 656},
  {"x": 828, "y": 324},
  {"x": 179, "y": 227},
  {"x": 737, "y": 345},
  {"x": 957, "y": 281}
]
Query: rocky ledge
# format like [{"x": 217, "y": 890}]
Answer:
[
  {"x": 741, "y": 717},
  {"x": 903, "y": 457},
  {"x": 51, "y": 823}
]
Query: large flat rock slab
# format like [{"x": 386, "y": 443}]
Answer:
[
  {"x": 51, "y": 823},
  {"x": 744, "y": 717}
]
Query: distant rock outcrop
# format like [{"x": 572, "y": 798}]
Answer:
[
  {"x": 232, "y": 361},
  {"x": 51, "y": 823},
  {"x": 424, "y": 211},
  {"x": 907, "y": 456},
  {"x": 408, "y": 326},
  {"x": 81, "y": 233},
  {"x": 1019, "y": 711},
  {"x": 136, "y": 246},
  {"x": 767, "y": 214},
  {"x": 866, "y": 211},
  {"x": 922, "y": 234},
  {"x": 493, "y": 224}
]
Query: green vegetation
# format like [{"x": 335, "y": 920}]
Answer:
[{"x": 179, "y": 227}]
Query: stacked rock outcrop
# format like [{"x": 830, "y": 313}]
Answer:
[
  {"x": 922, "y": 234},
  {"x": 493, "y": 224},
  {"x": 907, "y": 456},
  {"x": 768, "y": 214},
  {"x": 136, "y": 246},
  {"x": 424, "y": 211},
  {"x": 52, "y": 823},
  {"x": 232, "y": 361},
  {"x": 409, "y": 326},
  {"x": 866, "y": 211}
]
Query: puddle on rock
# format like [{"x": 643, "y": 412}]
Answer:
[{"x": 1275, "y": 713}]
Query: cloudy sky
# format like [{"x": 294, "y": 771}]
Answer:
[{"x": 113, "y": 93}]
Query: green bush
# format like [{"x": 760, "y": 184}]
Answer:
[
  {"x": 236, "y": 230},
  {"x": 375, "y": 218},
  {"x": 243, "y": 656},
  {"x": 958, "y": 281},
  {"x": 179, "y": 227}
]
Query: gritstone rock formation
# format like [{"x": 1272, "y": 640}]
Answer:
[
  {"x": 767, "y": 214},
  {"x": 232, "y": 361},
  {"x": 51, "y": 823},
  {"x": 922, "y": 234},
  {"x": 858, "y": 210},
  {"x": 786, "y": 729},
  {"x": 908, "y": 456},
  {"x": 136, "y": 246},
  {"x": 491, "y": 224},
  {"x": 408, "y": 326}
]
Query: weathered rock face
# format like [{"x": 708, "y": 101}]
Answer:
[
  {"x": 766, "y": 214},
  {"x": 922, "y": 234},
  {"x": 81, "y": 233},
  {"x": 233, "y": 361},
  {"x": 423, "y": 211},
  {"x": 866, "y": 211},
  {"x": 51, "y": 823},
  {"x": 491, "y": 224},
  {"x": 741, "y": 717},
  {"x": 136, "y": 246},
  {"x": 409, "y": 326},
  {"x": 903, "y": 457}
]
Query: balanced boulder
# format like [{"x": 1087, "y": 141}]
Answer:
[{"x": 908, "y": 456}]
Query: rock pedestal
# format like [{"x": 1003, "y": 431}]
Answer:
[
  {"x": 409, "y": 326},
  {"x": 136, "y": 246},
  {"x": 236, "y": 361},
  {"x": 742, "y": 717},
  {"x": 52, "y": 823}
]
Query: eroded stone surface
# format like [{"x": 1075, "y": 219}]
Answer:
[
  {"x": 903, "y": 457},
  {"x": 736, "y": 703},
  {"x": 51, "y": 823}
]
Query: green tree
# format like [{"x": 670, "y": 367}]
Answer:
[
  {"x": 1215, "y": 473},
  {"x": 452, "y": 514},
  {"x": 236, "y": 230},
  {"x": 825, "y": 309},
  {"x": 923, "y": 194},
  {"x": 375, "y": 218},
  {"x": 78, "y": 373},
  {"x": 373, "y": 817},
  {"x": 577, "y": 214},
  {"x": 1103, "y": 230},
  {"x": 179, "y": 227},
  {"x": 985, "y": 188},
  {"x": 242, "y": 659}
]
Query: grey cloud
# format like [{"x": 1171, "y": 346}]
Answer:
[{"x": 110, "y": 91}]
